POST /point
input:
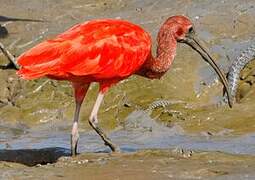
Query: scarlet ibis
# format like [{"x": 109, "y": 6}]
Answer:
[{"x": 107, "y": 51}]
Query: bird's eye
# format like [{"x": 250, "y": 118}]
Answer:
[{"x": 191, "y": 30}]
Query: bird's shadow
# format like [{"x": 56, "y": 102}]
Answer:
[{"x": 32, "y": 157}]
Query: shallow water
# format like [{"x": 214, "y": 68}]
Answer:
[
  {"x": 144, "y": 133},
  {"x": 38, "y": 119}
]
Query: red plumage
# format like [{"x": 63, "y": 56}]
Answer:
[{"x": 96, "y": 50}]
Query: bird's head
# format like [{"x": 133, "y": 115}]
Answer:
[{"x": 182, "y": 29}]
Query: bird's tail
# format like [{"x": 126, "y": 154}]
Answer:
[{"x": 30, "y": 74}]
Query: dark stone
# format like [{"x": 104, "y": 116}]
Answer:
[{"x": 3, "y": 32}]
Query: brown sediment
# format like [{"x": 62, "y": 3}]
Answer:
[
  {"x": 148, "y": 164},
  {"x": 50, "y": 109}
]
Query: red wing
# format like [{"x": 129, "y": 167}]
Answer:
[
  {"x": 102, "y": 49},
  {"x": 41, "y": 59},
  {"x": 106, "y": 58}
]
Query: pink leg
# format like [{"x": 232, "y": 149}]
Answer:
[
  {"x": 93, "y": 121},
  {"x": 80, "y": 91}
]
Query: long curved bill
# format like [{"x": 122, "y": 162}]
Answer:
[{"x": 193, "y": 42}]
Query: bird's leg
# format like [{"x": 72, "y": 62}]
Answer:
[
  {"x": 75, "y": 133},
  {"x": 93, "y": 121},
  {"x": 10, "y": 57},
  {"x": 79, "y": 93}
]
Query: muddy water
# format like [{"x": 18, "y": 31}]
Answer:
[{"x": 35, "y": 116}]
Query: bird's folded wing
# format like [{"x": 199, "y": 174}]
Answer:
[{"x": 103, "y": 52}]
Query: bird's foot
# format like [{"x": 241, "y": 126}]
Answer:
[
  {"x": 107, "y": 141},
  {"x": 113, "y": 147},
  {"x": 74, "y": 143}
]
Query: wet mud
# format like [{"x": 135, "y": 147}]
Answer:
[
  {"x": 193, "y": 137},
  {"x": 146, "y": 164}
]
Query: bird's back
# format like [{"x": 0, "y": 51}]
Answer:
[{"x": 99, "y": 49}]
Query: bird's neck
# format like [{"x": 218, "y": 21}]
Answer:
[{"x": 156, "y": 67}]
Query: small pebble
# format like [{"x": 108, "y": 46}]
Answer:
[{"x": 138, "y": 9}]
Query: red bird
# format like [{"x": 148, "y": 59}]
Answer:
[{"x": 107, "y": 51}]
